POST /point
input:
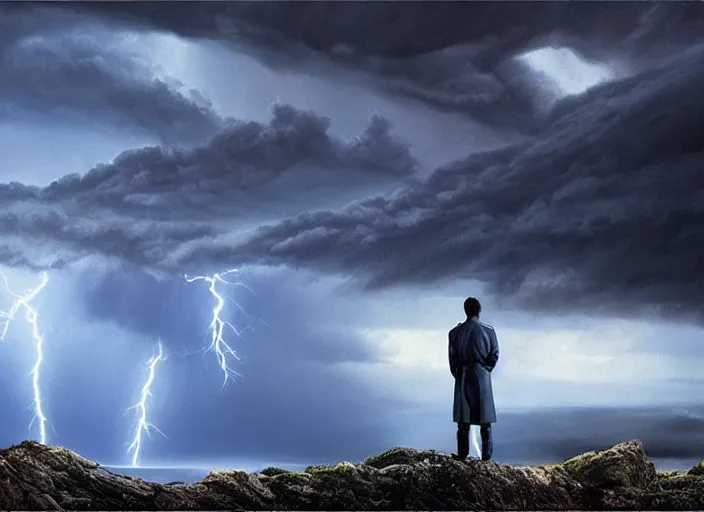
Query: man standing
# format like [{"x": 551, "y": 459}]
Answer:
[{"x": 473, "y": 353}]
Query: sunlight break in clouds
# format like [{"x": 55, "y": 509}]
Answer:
[{"x": 572, "y": 74}]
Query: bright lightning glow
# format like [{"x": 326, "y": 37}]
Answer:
[
  {"x": 143, "y": 425},
  {"x": 217, "y": 326},
  {"x": 475, "y": 443},
  {"x": 23, "y": 301}
]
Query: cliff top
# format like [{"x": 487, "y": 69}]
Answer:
[{"x": 34, "y": 476}]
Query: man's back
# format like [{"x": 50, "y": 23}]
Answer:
[
  {"x": 473, "y": 354},
  {"x": 474, "y": 342}
]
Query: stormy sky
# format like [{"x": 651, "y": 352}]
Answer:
[{"x": 365, "y": 166}]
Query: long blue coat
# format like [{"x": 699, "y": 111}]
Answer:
[{"x": 473, "y": 353}]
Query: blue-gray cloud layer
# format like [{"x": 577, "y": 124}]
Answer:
[
  {"x": 150, "y": 201},
  {"x": 603, "y": 212},
  {"x": 455, "y": 55},
  {"x": 61, "y": 65},
  {"x": 599, "y": 212}
]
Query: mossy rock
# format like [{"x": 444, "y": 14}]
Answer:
[
  {"x": 680, "y": 482},
  {"x": 272, "y": 471},
  {"x": 316, "y": 468},
  {"x": 342, "y": 468},
  {"x": 623, "y": 465},
  {"x": 404, "y": 456},
  {"x": 668, "y": 474},
  {"x": 697, "y": 470}
]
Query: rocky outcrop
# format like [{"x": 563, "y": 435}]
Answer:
[
  {"x": 34, "y": 476},
  {"x": 697, "y": 470}
]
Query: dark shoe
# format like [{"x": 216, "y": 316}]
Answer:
[{"x": 458, "y": 457}]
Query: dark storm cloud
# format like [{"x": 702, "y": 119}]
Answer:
[
  {"x": 242, "y": 158},
  {"x": 453, "y": 55},
  {"x": 55, "y": 64},
  {"x": 49, "y": 239},
  {"x": 603, "y": 212},
  {"x": 147, "y": 202}
]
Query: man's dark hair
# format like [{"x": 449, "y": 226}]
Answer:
[{"x": 472, "y": 307}]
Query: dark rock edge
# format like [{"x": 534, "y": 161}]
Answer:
[{"x": 38, "y": 477}]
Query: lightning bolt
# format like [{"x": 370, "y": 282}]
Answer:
[
  {"x": 23, "y": 301},
  {"x": 217, "y": 325},
  {"x": 143, "y": 425}
]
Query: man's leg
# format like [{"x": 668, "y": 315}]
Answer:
[
  {"x": 487, "y": 442},
  {"x": 462, "y": 440}
]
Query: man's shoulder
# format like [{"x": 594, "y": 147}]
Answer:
[
  {"x": 455, "y": 329},
  {"x": 486, "y": 326}
]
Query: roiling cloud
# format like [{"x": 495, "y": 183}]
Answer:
[
  {"x": 243, "y": 158},
  {"x": 600, "y": 211},
  {"x": 66, "y": 65},
  {"x": 457, "y": 56},
  {"x": 604, "y": 212},
  {"x": 148, "y": 202}
]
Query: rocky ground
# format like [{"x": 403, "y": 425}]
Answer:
[{"x": 34, "y": 476}]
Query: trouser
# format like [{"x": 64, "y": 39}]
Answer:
[{"x": 463, "y": 441}]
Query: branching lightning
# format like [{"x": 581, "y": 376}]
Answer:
[
  {"x": 217, "y": 326},
  {"x": 23, "y": 301},
  {"x": 143, "y": 424}
]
